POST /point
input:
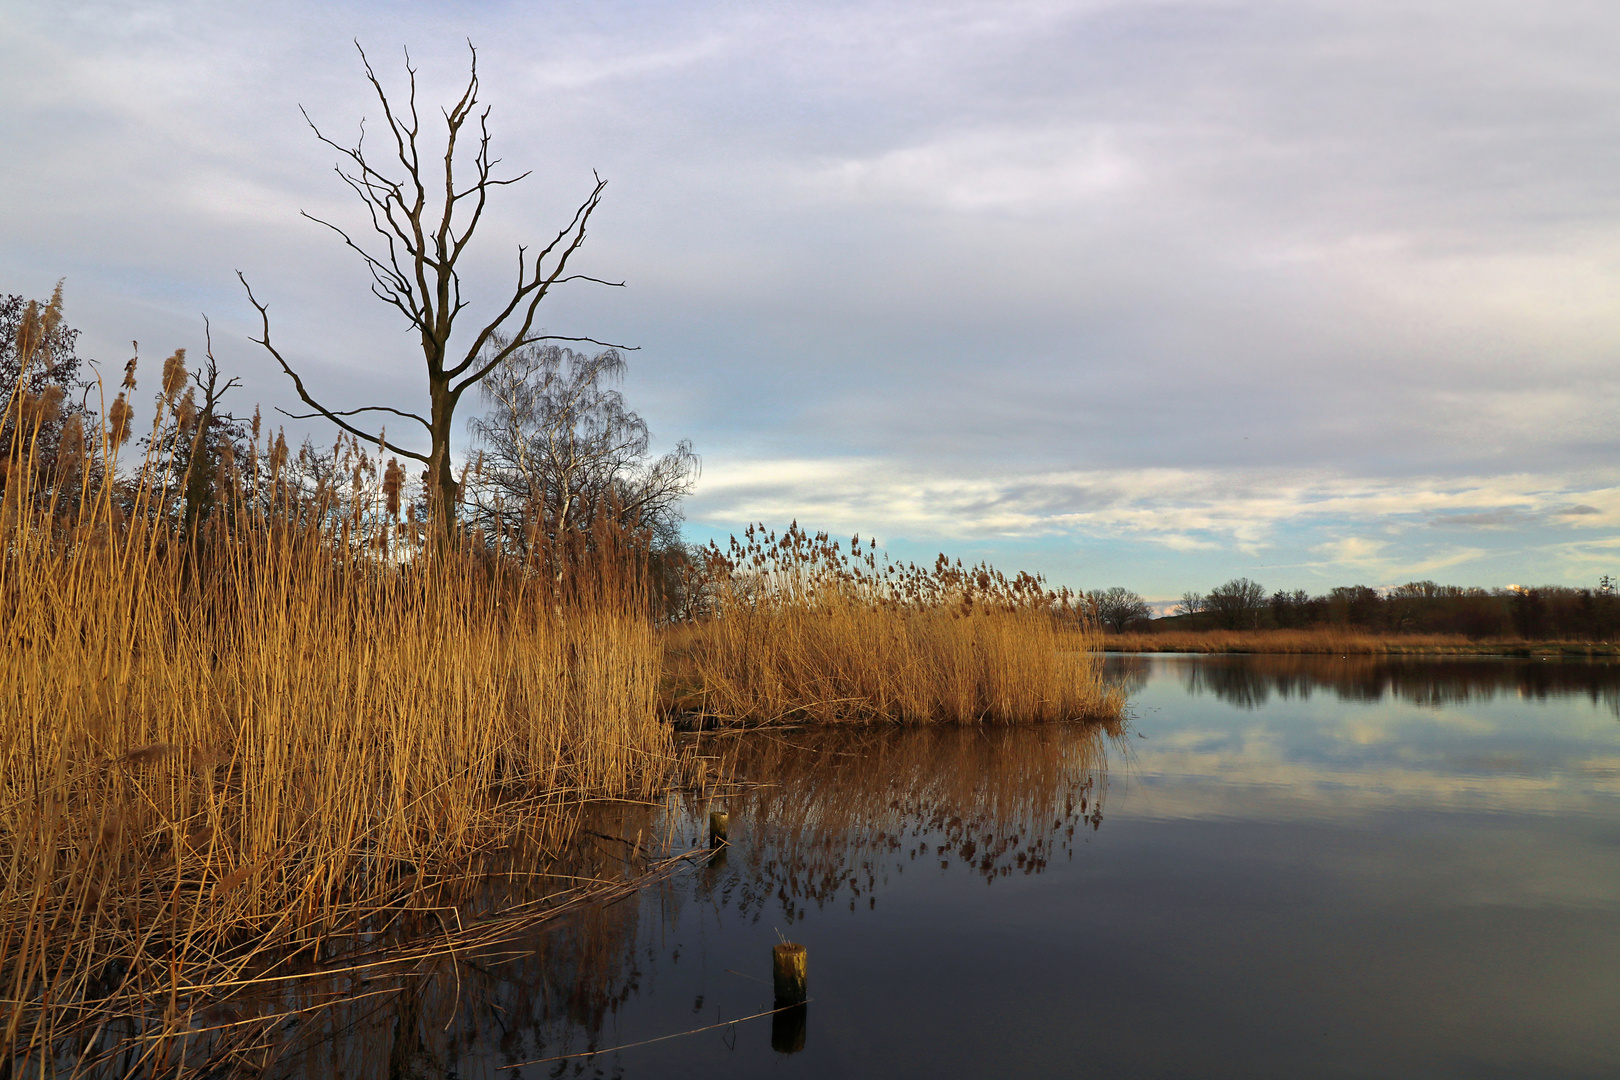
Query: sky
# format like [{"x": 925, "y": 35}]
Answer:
[{"x": 1314, "y": 292}]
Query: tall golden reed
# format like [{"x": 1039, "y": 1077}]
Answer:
[
  {"x": 801, "y": 629},
  {"x": 268, "y": 735}
]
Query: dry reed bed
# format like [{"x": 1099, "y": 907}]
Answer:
[
  {"x": 248, "y": 727},
  {"x": 801, "y": 629},
  {"x": 1344, "y": 642},
  {"x": 270, "y": 738},
  {"x": 196, "y": 783}
]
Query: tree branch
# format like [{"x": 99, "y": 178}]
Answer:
[
  {"x": 478, "y": 375},
  {"x": 357, "y": 412},
  {"x": 264, "y": 316}
]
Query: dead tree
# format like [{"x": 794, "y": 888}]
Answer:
[{"x": 413, "y": 267}]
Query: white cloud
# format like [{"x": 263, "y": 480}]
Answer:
[
  {"x": 1027, "y": 172},
  {"x": 1205, "y": 281},
  {"x": 1169, "y": 505}
]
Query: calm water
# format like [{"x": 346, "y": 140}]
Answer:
[{"x": 1279, "y": 867}]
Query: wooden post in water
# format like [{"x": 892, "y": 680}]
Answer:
[
  {"x": 788, "y": 969},
  {"x": 718, "y": 820}
]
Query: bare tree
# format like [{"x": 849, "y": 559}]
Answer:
[
  {"x": 1191, "y": 603},
  {"x": 1117, "y": 608},
  {"x": 213, "y": 438},
  {"x": 1237, "y": 604},
  {"x": 413, "y": 265},
  {"x": 560, "y": 447}
]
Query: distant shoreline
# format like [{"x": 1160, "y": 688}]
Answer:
[{"x": 1334, "y": 640}]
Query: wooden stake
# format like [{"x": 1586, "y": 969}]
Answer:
[
  {"x": 788, "y": 967},
  {"x": 718, "y": 820}
]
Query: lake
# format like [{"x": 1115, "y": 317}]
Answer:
[{"x": 1278, "y": 866}]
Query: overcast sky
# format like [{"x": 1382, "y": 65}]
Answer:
[{"x": 1144, "y": 294}]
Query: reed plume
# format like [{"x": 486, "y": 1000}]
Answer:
[
  {"x": 260, "y": 739},
  {"x": 799, "y": 628}
]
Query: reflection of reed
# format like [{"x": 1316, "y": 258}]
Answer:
[
  {"x": 1249, "y": 681},
  {"x": 818, "y": 816},
  {"x": 836, "y": 811},
  {"x": 442, "y": 987},
  {"x": 549, "y": 992}
]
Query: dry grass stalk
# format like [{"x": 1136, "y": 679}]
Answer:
[
  {"x": 799, "y": 628},
  {"x": 220, "y": 750}
]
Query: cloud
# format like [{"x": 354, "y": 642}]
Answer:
[
  {"x": 1192, "y": 289},
  {"x": 1490, "y": 519},
  {"x": 1026, "y": 172},
  {"x": 1172, "y": 506}
]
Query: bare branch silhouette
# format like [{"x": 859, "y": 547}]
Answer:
[{"x": 413, "y": 262}]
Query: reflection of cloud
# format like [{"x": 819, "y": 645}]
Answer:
[
  {"x": 1364, "y": 731},
  {"x": 1248, "y": 782},
  {"x": 1382, "y": 744}
]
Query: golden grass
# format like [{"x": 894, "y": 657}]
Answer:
[
  {"x": 802, "y": 630},
  {"x": 217, "y": 751},
  {"x": 1337, "y": 640}
]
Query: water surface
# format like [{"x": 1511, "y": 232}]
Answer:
[{"x": 1280, "y": 866}]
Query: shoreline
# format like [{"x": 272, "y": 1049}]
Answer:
[{"x": 1323, "y": 643}]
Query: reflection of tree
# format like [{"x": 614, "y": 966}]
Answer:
[
  {"x": 818, "y": 817},
  {"x": 463, "y": 1014},
  {"x": 1249, "y": 681},
  {"x": 1235, "y": 683},
  {"x": 836, "y": 812},
  {"x": 1128, "y": 671}
]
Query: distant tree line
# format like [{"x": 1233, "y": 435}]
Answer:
[{"x": 1419, "y": 607}]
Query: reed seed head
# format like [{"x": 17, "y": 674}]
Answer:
[
  {"x": 119, "y": 417},
  {"x": 71, "y": 449},
  {"x": 174, "y": 373},
  {"x": 393, "y": 483},
  {"x": 48, "y": 405},
  {"x": 186, "y": 414}
]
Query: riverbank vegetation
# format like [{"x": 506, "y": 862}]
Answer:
[
  {"x": 798, "y": 628},
  {"x": 1342, "y": 641},
  {"x": 262, "y": 716},
  {"x": 1520, "y": 613},
  {"x": 253, "y": 721}
]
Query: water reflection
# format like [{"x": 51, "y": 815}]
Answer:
[
  {"x": 1250, "y": 681},
  {"x": 818, "y": 819},
  {"x": 462, "y": 1014},
  {"x": 1366, "y": 866},
  {"x": 829, "y": 814}
]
